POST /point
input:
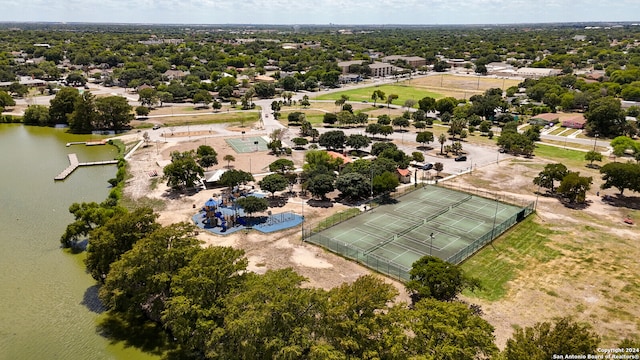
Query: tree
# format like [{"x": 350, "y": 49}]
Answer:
[
  {"x": 183, "y": 170},
  {"x": 377, "y": 95},
  {"x": 233, "y": 178},
  {"x": 481, "y": 69},
  {"x": 202, "y": 97},
  {"x": 76, "y": 79},
  {"x": 332, "y": 139},
  {"x": 442, "y": 138},
  {"x": 36, "y": 115},
  {"x": 140, "y": 281},
  {"x": 282, "y": 166},
  {"x": 114, "y": 112},
  {"x": 357, "y": 141},
  {"x": 273, "y": 182},
  {"x": 84, "y": 117},
  {"x": 427, "y": 104},
  {"x": 574, "y": 187},
  {"x": 345, "y": 117},
  {"x": 354, "y": 323},
  {"x": 62, "y": 105},
  {"x": 373, "y": 129},
  {"x": 623, "y": 144},
  {"x": 330, "y": 118},
  {"x": 320, "y": 185},
  {"x": 300, "y": 142},
  {"x": 142, "y": 111},
  {"x": 438, "y": 167},
  {"x": 605, "y": 117},
  {"x": 207, "y": 156},
  {"x": 551, "y": 173},
  {"x": 431, "y": 277},
  {"x": 305, "y": 101},
  {"x": 419, "y": 115},
  {"x": 621, "y": 176},
  {"x": 353, "y": 186},
  {"x": 401, "y": 122},
  {"x": 195, "y": 310},
  {"x": 385, "y": 183},
  {"x": 229, "y": 158},
  {"x": 272, "y": 316},
  {"x": 275, "y": 146},
  {"x": 424, "y": 137},
  {"x": 417, "y": 156},
  {"x": 87, "y": 216},
  {"x": 386, "y": 130},
  {"x": 6, "y": 100},
  {"x": 119, "y": 233},
  {"x": 253, "y": 204},
  {"x": 592, "y": 156},
  {"x": 446, "y": 105},
  {"x": 275, "y": 108},
  {"x": 148, "y": 96},
  {"x": 384, "y": 119},
  {"x": 265, "y": 90},
  {"x": 447, "y": 330},
  {"x": 409, "y": 103},
  {"x": 390, "y": 99},
  {"x": 165, "y": 97},
  {"x": 544, "y": 340}
]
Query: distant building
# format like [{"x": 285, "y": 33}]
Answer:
[
  {"x": 413, "y": 61},
  {"x": 344, "y": 65},
  {"x": 536, "y": 73},
  {"x": 379, "y": 69}
]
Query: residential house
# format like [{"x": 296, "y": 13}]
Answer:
[
  {"x": 574, "y": 122},
  {"x": 544, "y": 119},
  {"x": 404, "y": 175}
]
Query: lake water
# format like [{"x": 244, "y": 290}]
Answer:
[{"x": 48, "y": 306}]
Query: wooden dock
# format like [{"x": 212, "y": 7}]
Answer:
[{"x": 74, "y": 164}]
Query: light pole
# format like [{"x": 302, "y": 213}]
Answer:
[
  {"x": 431, "y": 246},
  {"x": 595, "y": 140}
]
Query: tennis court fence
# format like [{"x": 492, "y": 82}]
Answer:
[
  {"x": 496, "y": 231},
  {"x": 373, "y": 261}
]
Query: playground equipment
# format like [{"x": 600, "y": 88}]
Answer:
[{"x": 223, "y": 221}]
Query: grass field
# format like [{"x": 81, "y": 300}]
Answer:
[
  {"x": 233, "y": 117},
  {"x": 404, "y": 92},
  {"x": 496, "y": 265}
]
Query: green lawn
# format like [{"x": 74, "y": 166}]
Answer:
[
  {"x": 566, "y": 156},
  {"x": 524, "y": 246},
  {"x": 364, "y": 94}
]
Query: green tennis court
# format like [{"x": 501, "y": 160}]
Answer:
[
  {"x": 248, "y": 144},
  {"x": 434, "y": 220}
]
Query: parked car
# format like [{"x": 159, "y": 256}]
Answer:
[
  {"x": 461, "y": 158},
  {"x": 156, "y": 127},
  {"x": 427, "y": 166}
]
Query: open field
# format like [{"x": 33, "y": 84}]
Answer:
[
  {"x": 561, "y": 261},
  {"x": 470, "y": 84},
  {"x": 246, "y": 118},
  {"x": 404, "y": 92}
]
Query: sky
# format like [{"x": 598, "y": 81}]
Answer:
[{"x": 321, "y": 12}]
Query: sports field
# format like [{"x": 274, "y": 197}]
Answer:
[
  {"x": 248, "y": 144},
  {"x": 404, "y": 93},
  {"x": 436, "y": 221}
]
